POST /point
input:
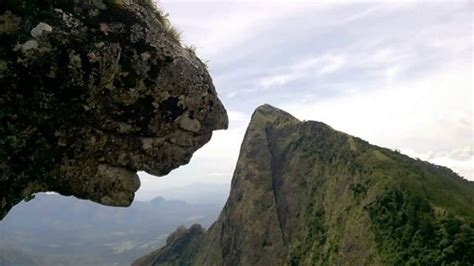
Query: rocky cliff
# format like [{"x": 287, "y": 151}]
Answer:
[
  {"x": 93, "y": 91},
  {"x": 305, "y": 194}
]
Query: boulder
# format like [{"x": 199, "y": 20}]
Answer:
[{"x": 93, "y": 91}]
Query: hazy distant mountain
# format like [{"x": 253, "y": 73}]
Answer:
[
  {"x": 204, "y": 193},
  {"x": 306, "y": 194},
  {"x": 57, "y": 230}
]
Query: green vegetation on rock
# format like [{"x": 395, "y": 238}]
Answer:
[
  {"x": 306, "y": 194},
  {"x": 409, "y": 231}
]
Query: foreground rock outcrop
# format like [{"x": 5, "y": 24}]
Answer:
[
  {"x": 93, "y": 91},
  {"x": 305, "y": 194}
]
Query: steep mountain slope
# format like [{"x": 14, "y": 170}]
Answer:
[{"x": 305, "y": 194}]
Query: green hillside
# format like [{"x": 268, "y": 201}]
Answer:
[{"x": 306, "y": 194}]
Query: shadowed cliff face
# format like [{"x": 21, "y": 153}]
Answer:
[
  {"x": 305, "y": 194},
  {"x": 93, "y": 91}
]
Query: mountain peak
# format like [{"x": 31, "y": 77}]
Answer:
[
  {"x": 305, "y": 194},
  {"x": 272, "y": 111},
  {"x": 267, "y": 107},
  {"x": 267, "y": 114}
]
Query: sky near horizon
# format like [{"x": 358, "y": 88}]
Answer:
[{"x": 397, "y": 74}]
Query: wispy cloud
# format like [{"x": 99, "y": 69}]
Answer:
[{"x": 313, "y": 67}]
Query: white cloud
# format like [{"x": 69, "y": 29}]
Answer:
[
  {"x": 379, "y": 57},
  {"x": 317, "y": 66},
  {"x": 278, "y": 79},
  {"x": 218, "y": 29}
]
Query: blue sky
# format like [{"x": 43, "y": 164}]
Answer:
[{"x": 398, "y": 74}]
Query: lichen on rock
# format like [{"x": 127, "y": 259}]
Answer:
[
  {"x": 93, "y": 91},
  {"x": 40, "y": 29}
]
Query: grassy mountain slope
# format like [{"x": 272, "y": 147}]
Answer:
[{"x": 306, "y": 194}]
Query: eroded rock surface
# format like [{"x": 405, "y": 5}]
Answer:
[{"x": 92, "y": 91}]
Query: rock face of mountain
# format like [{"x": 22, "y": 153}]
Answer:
[
  {"x": 93, "y": 91},
  {"x": 305, "y": 194}
]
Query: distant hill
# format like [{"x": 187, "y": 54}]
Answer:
[
  {"x": 305, "y": 194},
  {"x": 57, "y": 230},
  {"x": 204, "y": 193}
]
